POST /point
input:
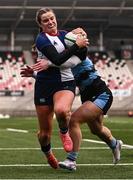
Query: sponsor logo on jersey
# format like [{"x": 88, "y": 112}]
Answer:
[{"x": 42, "y": 100}]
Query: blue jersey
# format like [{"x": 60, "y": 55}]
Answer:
[
  {"x": 84, "y": 73},
  {"x": 92, "y": 87}
]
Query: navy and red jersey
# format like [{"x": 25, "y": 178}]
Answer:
[{"x": 53, "y": 48}]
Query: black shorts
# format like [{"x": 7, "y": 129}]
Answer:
[
  {"x": 99, "y": 94},
  {"x": 44, "y": 90}
]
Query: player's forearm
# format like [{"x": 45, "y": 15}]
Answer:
[
  {"x": 70, "y": 63},
  {"x": 59, "y": 58}
]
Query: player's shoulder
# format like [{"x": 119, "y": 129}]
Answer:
[
  {"x": 42, "y": 40},
  {"x": 41, "y": 36}
]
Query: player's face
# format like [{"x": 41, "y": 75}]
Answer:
[{"x": 49, "y": 23}]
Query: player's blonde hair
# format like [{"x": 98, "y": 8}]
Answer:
[{"x": 40, "y": 12}]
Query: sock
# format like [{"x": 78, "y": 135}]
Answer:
[
  {"x": 46, "y": 149},
  {"x": 113, "y": 143},
  {"x": 64, "y": 130},
  {"x": 72, "y": 156}
]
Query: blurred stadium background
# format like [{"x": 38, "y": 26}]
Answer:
[{"x": 109, "y": 25}]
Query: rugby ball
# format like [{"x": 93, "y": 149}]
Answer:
[{"x": 70, "y": 39}]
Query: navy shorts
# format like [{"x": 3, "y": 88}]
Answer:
[
  {"x": 99, "y": 94},
  {"x": 44, "y": 90}
]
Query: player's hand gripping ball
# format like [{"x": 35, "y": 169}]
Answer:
[{"x": 70, "y": 38}]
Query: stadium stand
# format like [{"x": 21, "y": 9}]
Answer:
[
  {"x": 10, "y": 79},
  {"x": 116, "y": 73},
  {"x": 16, "y": 93}
]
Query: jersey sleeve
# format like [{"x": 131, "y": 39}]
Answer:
[{"x": 43, "y": 44}]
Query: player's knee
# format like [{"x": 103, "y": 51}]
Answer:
[
  {"x": 95, "y": 127},
  {"x": 62, "y": 112},
  {"x": 93, "y": 131},
  {"x": 96, "y": 130},
  {"x": 44, "y": 137}
]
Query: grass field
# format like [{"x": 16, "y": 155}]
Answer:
[{"x": 21, "y": 158}]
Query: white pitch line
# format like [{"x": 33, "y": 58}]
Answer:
[
  {"x": 94, "y": 141},
  {"x": 45, "y": 165},
  {"x": 18, "y": 149},
  {"x": 56, "y": 148},
  {"x": 125, "y": 146},
  {"x": 101, "y": 142},
  {"x": 17, "y": 130}
]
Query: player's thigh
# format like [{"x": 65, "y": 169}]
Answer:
[
  {"x": 45, "y": 116},
  {"x": 63, "y": 99},
  {"x": 86, "y": 113}
]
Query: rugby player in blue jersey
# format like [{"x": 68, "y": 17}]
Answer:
[{"x": 96, "y": 99}]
